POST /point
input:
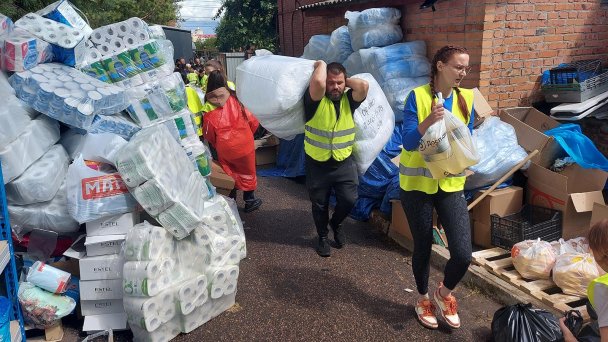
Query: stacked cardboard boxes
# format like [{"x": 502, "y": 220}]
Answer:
[{"x": 101, "y": 273}]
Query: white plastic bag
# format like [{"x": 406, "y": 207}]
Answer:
[
  {"x": 574, "y": 271},
  {"x": 447, "y": 146},
  {"x": 339, "y": 45},
  {"x": 374, "y": 124},
  {"x": 95, "y": 194},
  {"x": 317, "y": 47},
  {"x": 533, "y": 259}
]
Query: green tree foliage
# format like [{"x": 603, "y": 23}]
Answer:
[
  {"x": 247, "y": 22},
  {"x": 102, "y": 12}
]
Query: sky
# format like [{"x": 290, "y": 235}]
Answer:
[{"x": 199, "y": 14}]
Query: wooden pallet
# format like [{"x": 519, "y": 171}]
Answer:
[{"x": 498, "y": 262}]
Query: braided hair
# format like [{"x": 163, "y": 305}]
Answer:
[{"x": 444, "y": 54}]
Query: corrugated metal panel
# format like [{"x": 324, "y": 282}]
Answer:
[{"x": 233, "y": 59}]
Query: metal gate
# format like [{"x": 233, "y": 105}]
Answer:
[{"x": 231, "y": 61}]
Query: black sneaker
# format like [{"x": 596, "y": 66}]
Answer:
[
  {"x": 323, "y": 248},
  {"x": 339, "y": 240},
  {"x": 252, "y": 204}
]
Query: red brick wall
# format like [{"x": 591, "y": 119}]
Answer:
[
  {"x": 510, "y": 41},
  {"x": 524, "y": 37}
]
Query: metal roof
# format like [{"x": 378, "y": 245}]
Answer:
[{"x": 330, "y": 3}]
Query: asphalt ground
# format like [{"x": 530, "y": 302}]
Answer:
[{"x": 286, "y": 292}]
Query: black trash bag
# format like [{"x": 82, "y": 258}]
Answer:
[
  {"x": 574, "y": 321},
  {"x": 522, "y": 323}
]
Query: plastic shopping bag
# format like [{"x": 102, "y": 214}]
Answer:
[
  {"x": 533, "y": 259},
  {"x": 573, "y": 272},
  {"x": 447, "y": 146},
  {"x": 523, "y": 323}
]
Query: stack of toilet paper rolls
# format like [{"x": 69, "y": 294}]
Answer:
[
  {"x": 164, "y": 180},
  {"x": 67, "y": 94},
  {"x": 23, "y": 51},
  {"x": 50, "y": 31}
]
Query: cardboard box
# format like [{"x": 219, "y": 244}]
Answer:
[
  {"x": 529, "y": 125},
  {"x": 95, "y": 290},
  {"x": 101, "y": 307},
  {"x": 219, "y": 178},
  {"x": 115, "y": 225},
  {"x": 104, "y": 245},
  {"x": 266, "y": 155},
  {"x": 105, "y": 322},
  {"x": 501, "y": 202},
  {"x": 573, "y": 191},
  {"x": 101, "y": 267}
]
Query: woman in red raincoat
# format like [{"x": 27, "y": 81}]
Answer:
[{"x": 229, "y": 128}]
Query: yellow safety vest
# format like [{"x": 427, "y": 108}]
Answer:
[
  {"x": 325, "y": 136},
  {"x": 591, "y": 288},
  {"x": 196, "y": 107},
  {"x": 413, "y": 173}
]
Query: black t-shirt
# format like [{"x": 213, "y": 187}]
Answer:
[{"x": 310, "y": 107}]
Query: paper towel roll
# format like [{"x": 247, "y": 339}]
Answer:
[
  {"x": 150, "y": 323},
  {"x": 145, "y": 269},
  {"x": 148, "y": 306},
  {"x": 144, "y": 287}
]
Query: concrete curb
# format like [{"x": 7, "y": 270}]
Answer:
[{"x": 477, "y": 277}]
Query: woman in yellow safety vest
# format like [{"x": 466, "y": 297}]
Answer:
[
  {"x": 597, "y": 291},
  {"x": 211, "y": 66},
  {"x": 420, "y": 193}
]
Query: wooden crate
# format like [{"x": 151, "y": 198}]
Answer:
[{"x": 498, "y": 261}]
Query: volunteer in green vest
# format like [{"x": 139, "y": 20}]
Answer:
[
  {"x": 420, "y": 193},
  {"x": 329, "y": 104},
  {"x": 597, "y": 291}
]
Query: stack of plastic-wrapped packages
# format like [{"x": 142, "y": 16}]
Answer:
[
  {"x": 375, "y": 48},
  {"x": 127, "y": 142}
]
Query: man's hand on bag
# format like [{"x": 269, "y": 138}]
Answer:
[{"x": 436, "y": 115}]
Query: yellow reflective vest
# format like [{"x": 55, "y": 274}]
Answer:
[
  {"x": 603, "y": 280},
  {"x": 413, "y": 173},
  {"x": 326, "y": 135},
  {"x": 196, "y": 107}
]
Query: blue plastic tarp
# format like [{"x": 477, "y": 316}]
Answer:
[
  {"x": 578, "y": 146},
  {"x": 291, "y": 159}
]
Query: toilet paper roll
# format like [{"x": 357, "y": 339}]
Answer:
[
  {"x": 147, "y": 306},
  {"x": 159, "y": 335},
  {"x": 222, "y": 304},
  {"x": 151, "y": 269},
  {"x": 167, "y": 313},
  {"x": 123, "y": 28},
  {"x": 130, "y": 41},
  {"x": 97, "y": 37},
  {"x": 105, "y": 48},
  {"x": 144, "y": 287},
  {"x": 230, "y": 288},
  {"x": 148, "y": 323},
  {"x": 116, "y": 44},
  {"x": 189, "y": 294}
]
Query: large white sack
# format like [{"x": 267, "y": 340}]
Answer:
[
  {"x": 272, "y": 87},
  {"x": 14, "y": 118},
  {"x": 397, "y": 90},
  {"x": 38, "y": 137},
  {"x": 317, "y": 47},
  {"x": 272, "y": 84},
  {"x": 354, "y": 65},
  {"x": 52, "y": 215},
  {"x": 389, "y": 62},
  {"x": 374, "y": 122},
  {"x": 374, "y": 27},
  {"x": 339, "y": 45},
  {"x": 41, "y": 181}
]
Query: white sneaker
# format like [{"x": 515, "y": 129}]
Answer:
[
  {"x": 448, "y": 307},
  {"x": 425, "y": 311}
]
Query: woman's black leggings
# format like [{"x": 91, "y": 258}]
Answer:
[{"x": 454, "y": 217}]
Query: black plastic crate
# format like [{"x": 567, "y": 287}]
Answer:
[{"x": 530, "y": 223}]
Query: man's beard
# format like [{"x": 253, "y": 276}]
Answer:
[{"x": 335, "y": 96}]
